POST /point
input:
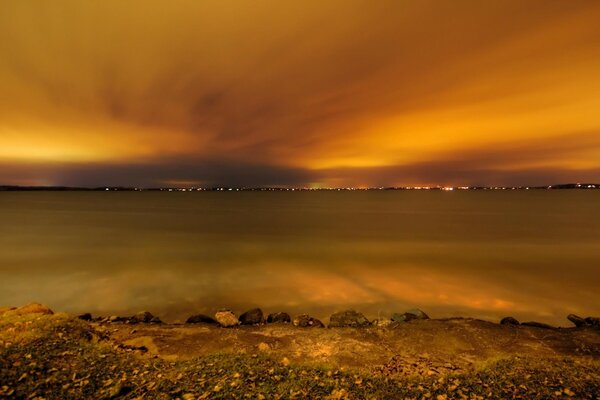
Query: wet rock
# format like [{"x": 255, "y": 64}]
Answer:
[
  {"x": 31, "y": 308},
  {"x": 200, "y": 319},
  {"x": 85, "y": 317},
  {"x": 348, "y": 318},
  {"x": 143, "y": 317},
  {"x": 537, "y": 325},
  {"x": 577, "y": 320},
  {"x": 279, "y": 317},
  {"x": 509, "y": 321},
  {"x": 306, "y": 321},
  {"x": 226, "y": 318},
  {"x": 252, "y": 317}
]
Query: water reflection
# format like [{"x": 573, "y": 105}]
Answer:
[{"x": 534, "y": 255}]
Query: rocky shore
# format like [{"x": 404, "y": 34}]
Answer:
[
  {"x": 278, "y": 356},
  {"x": 343, "y": 319}
]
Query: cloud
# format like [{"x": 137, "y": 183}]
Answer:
[{"x": 296, "y": 87}]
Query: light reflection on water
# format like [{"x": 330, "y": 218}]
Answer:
[{"x": 534, "y": 254}]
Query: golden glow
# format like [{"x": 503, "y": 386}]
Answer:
[{"x": 500, "y": 91}]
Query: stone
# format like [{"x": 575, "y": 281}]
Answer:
[
  {"x": 142, "y": 317},
  {"x": 509, "y": 321},
  {"x": 306, "y": 321},
  {"x": 396, "y": 317},
  {"x": 226, "y": 318},
  {"x": 420, "y": 314},
  {"x": 410, "y": 315},
  {"x": 279, "y": 317},
  {"x": 537, "y": 325},
  {"x": 577, "y": 320},
  {"x": 593, "y": 321},
  {"x": 85, "y": 317},
  {"x": 264, "y": 347},
  {"x": 31, "y": 308},
  {"x": 381, "y": 322},
  {"x": 252, "y": 317},
  {"x": 200, "y": 319},
  {"x": 348, "y": 318}
]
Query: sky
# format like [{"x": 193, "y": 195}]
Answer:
[{"x": 308, "y": 93}]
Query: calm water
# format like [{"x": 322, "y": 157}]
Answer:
[{"x": 531, "y": 254}]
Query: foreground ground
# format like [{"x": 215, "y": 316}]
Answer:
[{"x": 59, "y": 357}]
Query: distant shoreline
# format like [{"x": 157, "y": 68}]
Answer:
[{"x": 16, "y": 188}]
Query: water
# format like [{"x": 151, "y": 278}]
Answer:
[{"x": 531, "y": 254}]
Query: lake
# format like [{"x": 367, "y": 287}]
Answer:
[{"x": 531, "y": 254}]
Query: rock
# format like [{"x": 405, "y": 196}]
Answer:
[
  {"x": 414, "y": 313},
  {"x": 577, "y": 320},
  {"x": 85, "y": 317},
  {"x": 113, "y": 318},
  {"x": 593, "y": 321},
  {"x": 200, "y": 319},
  {"x": 396, "y": 317},
  {"x": 226, "y": 318},
  {"x": 264, "y": 347},
  {"x": 252, "y": 317},
  {"x": 381, "y": 322},
  {"x": 142, "y": 317},
  {"x": 31, "y": 308},
  {"x": 155, "y": 320},
  {"x": 537, "y": 325},
  {"x": 118, "y": 390},
  {"x": 509, "y": 321},
  {"x": 279, "y": 317},
  {"x": 418, "y": 313},
  {"x": 348, "y": 318},
  {"x": 306, "y": 321}
]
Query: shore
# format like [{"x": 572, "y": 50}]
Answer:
[{"x": 55, "y": 356}]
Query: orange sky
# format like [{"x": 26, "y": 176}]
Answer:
[{"x": 319, "y": 93}]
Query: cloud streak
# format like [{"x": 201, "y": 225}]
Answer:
[{"x": 289, "y": 94}]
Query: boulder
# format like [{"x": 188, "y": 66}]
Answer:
[
  {"x": 414, "y": 313},
  {"x": 85, "y": 317},
  {"x": 279, "y": 317},
  {"x": 509, "y": 321},
  {"x": 143, "y": 317},
  {"x": 577, "y": 320},
  {"x": 396, "y": 317},
  {"x": 226, "y": 318},
  {"x": 306, "y": 321},
  {"x": 31, "y": 308},
  {"x": 200, "y": 319},
  {"x": 593, "y": 321},
  {"x": 348, "y": 318},
  {"x": 537, "y": 325},
  {"x": 252, "y": 317}
]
